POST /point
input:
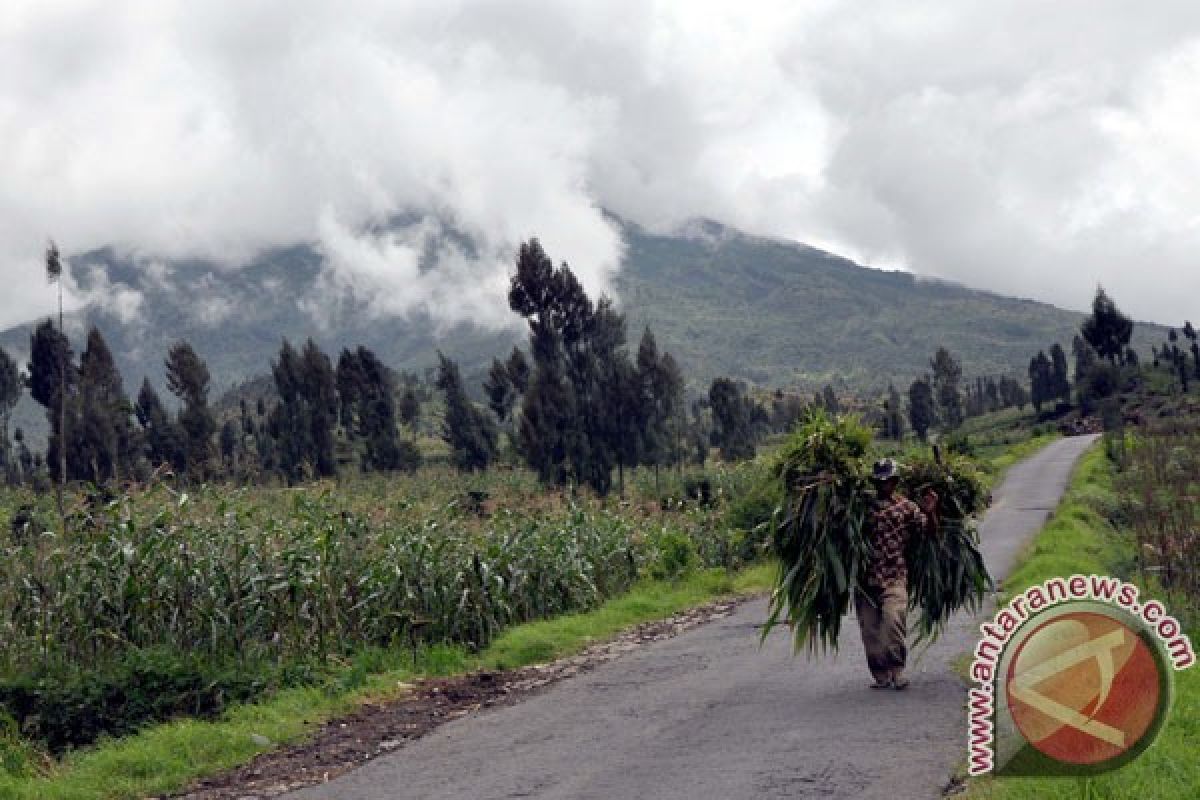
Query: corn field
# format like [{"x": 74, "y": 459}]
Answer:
[{"x": 321, "y": 571}]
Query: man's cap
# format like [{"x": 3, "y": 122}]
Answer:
[{"x": 884, "y": 469}]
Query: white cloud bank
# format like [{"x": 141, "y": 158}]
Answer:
[{"x": 1025, "y": 147}]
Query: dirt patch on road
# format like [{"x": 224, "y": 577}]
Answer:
[{"x": 342, "y": 744}]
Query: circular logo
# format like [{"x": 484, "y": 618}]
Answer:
[{"x": 1084, "y": 688}]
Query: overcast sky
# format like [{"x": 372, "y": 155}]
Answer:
[{"x": 1032, "y": 148}]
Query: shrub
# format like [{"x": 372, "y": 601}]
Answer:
[
  {"x": 69, "y": 708},
  {"x": 677, "y": 556}
]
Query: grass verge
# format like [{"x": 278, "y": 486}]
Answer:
[
  {"x": 165, "y": 758},
  {"x": 1080, "y": 539},
  {"x": 1000, "y": 457}
]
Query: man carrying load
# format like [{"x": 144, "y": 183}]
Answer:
[{"x": 882, "y": 605}]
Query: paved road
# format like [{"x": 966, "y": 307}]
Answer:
[{"x": 708, "y": 714}]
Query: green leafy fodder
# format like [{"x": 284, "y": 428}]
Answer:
[
  {"x": 820, "y": 533},
  {"x": 946, "y": 570},
  {"x": 819, "y": 530}
]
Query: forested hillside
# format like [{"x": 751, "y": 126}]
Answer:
[{"x": 771, "y": 312}]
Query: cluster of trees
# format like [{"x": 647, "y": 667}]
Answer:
[
  {"x": 1175, "y": 358},
  {"x": 1048, "y": 378},
  {"x": 942, "y": 399},
  {"x": 991, "y": 393},
  {"x": 577, "y": 407},
  {"x": 108, "y": 438},
  {"x": 1103, "y": 361},
  {"x": 583, "y": 407},
  {"x": 935, "y": 398},
  {"x": 15, "y": 462},
  {"x": 580, "y": 409},
  {"x": 738, "y": 421}
]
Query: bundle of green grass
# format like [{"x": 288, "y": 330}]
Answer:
[{"x": 821, "y": 532}]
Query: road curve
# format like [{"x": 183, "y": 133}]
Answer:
[{"x": 708, "y": 714}]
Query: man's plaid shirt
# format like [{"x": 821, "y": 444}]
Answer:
[{"x": 892, "y": 523}]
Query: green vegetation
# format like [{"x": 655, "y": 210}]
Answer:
[
  {"x": 820, "y": 532},
  {"x": 1081, "y": 537},
  {"x": 201, "y": 623},
  {"x": 166, "y": 757},
  {"x": 162, "y": 606},
  {"x": 689, "y": 288},
  {"x": 283, "y": 577}
]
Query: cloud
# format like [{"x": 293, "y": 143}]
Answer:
[
  {"x": 1029, "y": 148},
  {"x": 119, "y": 300}
]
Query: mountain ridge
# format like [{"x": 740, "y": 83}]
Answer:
[{"x": 769, "y": 311}]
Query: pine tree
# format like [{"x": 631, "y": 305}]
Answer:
[
  {"x": 628, "y": 435},
  {"x": 550, "y": 302},
  {"x": 409, "y": 408},
  {"x": 786, "y": 409},
  {"x": 699, "y": 432},
  {"x": 518, "y": 370},
  {"x": 649, "y": 423},
  {"x": 599, "y": 368},
  {"x": 469, "y": 432},
  {"x": 659, "y": 406},
  {"x": 163, "y": 439},
  {"x": 573, "y": 404},
  {"x": 25, "y": 460},
  {"x": 1041, "y": 379},
  {"x": 922, "y": 412},
  {"x": 50, "y": 371},
  {"x": 499, "y": 390},
  {"x": 188, "y": 379},
  {"x": 369, "y": 412},
  {"x": 229, "y": 441},
  {"x": 303, "y": 422},
  {"x": 1060, "y": 383},
  {"x": 320, "y": 387},
  {"x": 103, "y": 444},
  {"x": 1107, "y": 330},
  {"x": 733, "y": 430},
  {"x": 893, "y": 414},
  {"x": 829, "y": 399},
  {"x": 10, "y": 393},
  {"x": 671, "y": 404},
  {"x": 947, "y": 373},
  {"x": 547, "y": 408},
  {"x": 1085, "y": 358},
  {"x": 992, "y": 394}
]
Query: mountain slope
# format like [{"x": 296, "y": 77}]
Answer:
[
  {"x": 781, "y": 313},
  {"x": 773, "y": 312}
]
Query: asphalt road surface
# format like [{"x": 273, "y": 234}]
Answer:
[{"x": 708, "y": 714}]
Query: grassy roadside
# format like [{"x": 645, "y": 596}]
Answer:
[
  {"x": 1004, "y": 457},
  {"x": 166, "y": 757},
  {"x": 1079, "y": 538}
]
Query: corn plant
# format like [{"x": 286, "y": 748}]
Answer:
[{"x": 320, "y": 571}]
